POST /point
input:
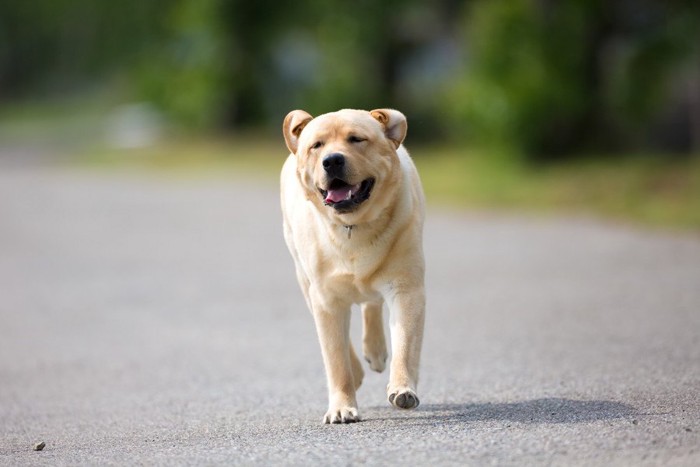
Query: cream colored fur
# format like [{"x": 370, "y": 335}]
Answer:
[{"x": 369, "y": 256}]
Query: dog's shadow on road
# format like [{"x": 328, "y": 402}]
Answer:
[{"x": 535, "y": 411}]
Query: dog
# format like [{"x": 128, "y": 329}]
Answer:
[{"x": 353, "y": 211}]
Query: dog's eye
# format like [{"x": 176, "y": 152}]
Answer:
[
  {"x": 356, "y": 139},
  {"x": 317, "y": 145}
]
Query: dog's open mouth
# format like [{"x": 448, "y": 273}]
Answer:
[{"x": 345, "y": 197}]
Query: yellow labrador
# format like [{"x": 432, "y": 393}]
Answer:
[{"x": 353, "y": 210}]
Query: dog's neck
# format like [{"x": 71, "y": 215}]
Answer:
[{"x": 373, "y": 227}]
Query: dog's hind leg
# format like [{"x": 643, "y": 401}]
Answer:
[
  {"x": 373, "y": 341},
  {"x": 358, "y": 373}
]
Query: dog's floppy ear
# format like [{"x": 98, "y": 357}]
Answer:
[
  {"x": 294, "y": 122},
  {"x": 394, "y": 124}
]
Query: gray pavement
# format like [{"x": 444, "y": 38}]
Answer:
[{"x": 147, "y": 320}]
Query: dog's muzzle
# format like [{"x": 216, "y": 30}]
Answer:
[{"x": 344, "y": 197}]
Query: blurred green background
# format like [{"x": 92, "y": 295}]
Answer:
[{"x": 564, "y": 106}]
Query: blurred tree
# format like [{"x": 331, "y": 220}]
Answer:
[
  {"x": 184, "y": 70},
  {"x": 53, "y": 46},
  {"x": 236, "y": 63},
  {"x": 556, "y": 77},
  {"x": 548, "y": 77}
]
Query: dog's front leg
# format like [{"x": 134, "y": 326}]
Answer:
[
  {"x": 333, "y": 328},
  {"x": 407, "y": 309}
]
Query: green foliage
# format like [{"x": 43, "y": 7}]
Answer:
[
  {"x": 641, "y": 189},
  {"x": 49, "y": 47},
  {"x": 184, "y": 72},
  {"x": 545, "y": 78},
  {"x": 549, "y": 77},
  {"x": 525, "y": 79}
]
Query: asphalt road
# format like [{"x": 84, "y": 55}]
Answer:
[{"x": 147, "y": 320}]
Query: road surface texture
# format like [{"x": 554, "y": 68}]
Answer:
[{"x": 152, "y": 320}]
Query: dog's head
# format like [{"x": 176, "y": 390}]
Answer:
[{"x": 347, "y": 160}]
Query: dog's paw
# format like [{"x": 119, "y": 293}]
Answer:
[
  {"x": 341, "y": 415},
  {"x": 404, "y": 399},
  {"x": 376, "y": 360}
]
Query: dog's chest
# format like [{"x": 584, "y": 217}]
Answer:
[{"x": 350, "y": 272}]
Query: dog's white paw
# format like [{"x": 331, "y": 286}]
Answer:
[
  {"x": 376, "y": 358},
  {"x": 341, "y": 415},
  {"x": 404, "y": 398}
]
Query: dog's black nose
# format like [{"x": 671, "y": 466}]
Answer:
[{"x": 334, "y": 164}]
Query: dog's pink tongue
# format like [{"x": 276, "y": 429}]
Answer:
[{"x": 340, "y": 194}]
